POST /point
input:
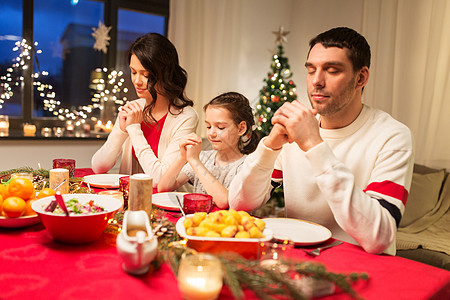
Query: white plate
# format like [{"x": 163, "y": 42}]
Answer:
[
  {"x": 182, "y": 232},
  {"x": 302, "y": 233},
  {"x": 167, "y": 201},
  {"x": 18, "y": 222},
  {"x": 106, "y": 181}
]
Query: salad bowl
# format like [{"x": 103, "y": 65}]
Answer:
[{"x": 82, "y": 225}]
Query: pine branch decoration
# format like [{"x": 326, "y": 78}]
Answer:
[
  {"x": 41, "y": 179},
  {"x": 240, "y": 273}
]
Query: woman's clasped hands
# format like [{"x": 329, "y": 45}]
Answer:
[{"x": 130, "y": 113}]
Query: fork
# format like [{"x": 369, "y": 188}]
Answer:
[{"x": 315, "y": 252}]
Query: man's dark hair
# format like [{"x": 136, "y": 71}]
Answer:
[{"x": 359, "y": 49}]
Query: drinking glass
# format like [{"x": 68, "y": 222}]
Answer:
[
  {"x": 124, "y": 187},
  {"x": 65, "y": 163},
  {"x": 276, "y": 255},
  {"x": 195, "y": 202}
]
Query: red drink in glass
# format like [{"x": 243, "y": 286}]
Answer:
[
  {"x": 124, "y": 186},
  {"x": 64, "y": 163}
]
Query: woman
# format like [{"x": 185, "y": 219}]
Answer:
[{"x": 147, "y": 130}]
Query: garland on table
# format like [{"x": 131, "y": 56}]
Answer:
[
  {"x": 240, "y": 273},
  {"x": 268, "y": 283},
  {"x": 41, "y": 179}
]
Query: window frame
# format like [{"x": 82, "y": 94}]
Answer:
[{"x": 110, "y": 18}]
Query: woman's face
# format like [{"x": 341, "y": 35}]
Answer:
[
  {"x": 139, "y": 77},
  {"x": 221, "y": 130}
]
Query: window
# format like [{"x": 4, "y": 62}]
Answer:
[
  {"x": 10, "y": 33},
  {"x": 64, "y": 74}
]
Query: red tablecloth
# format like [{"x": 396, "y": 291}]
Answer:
[{"x": 34, "y": 266}]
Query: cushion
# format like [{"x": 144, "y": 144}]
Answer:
[{"x": 423, "y": 196}]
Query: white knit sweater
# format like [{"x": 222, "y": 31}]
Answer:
[{"x": 355, "y": 183}]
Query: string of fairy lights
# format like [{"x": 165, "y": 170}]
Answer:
[{"x": 106, "y": 84}]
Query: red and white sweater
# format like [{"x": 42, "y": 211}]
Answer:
[{"x": 355, "y": 183}]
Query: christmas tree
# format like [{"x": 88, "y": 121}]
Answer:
[{"x": 278, "y": 89}]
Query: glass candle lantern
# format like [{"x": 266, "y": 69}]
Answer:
[
  {"x": 65, "y": 163},
  {"x": 200, "y": 277},
  {"x": 29, "y": 129},
  {"x": 124, "y": 184},
  {"x": 46, "y": 131},
  {"x": 28, "y": 176},
  {"x": 276, "y": 255},
  {"x": 58, "y": 131},
  {"x": 4, "y": 125}
]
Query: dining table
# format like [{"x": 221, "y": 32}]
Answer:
[{"x": 34, "y": 266}]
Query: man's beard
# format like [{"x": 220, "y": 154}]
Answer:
[{"x": 338, "y": 101}]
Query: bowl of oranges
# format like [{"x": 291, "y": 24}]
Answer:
[{"x": 16, "y": 197}]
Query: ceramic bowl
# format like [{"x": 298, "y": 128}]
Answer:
[{"x": 77, "y": 229}]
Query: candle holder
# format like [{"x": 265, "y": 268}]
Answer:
[
  {"x": 46, "y": 131},
  {"x": 276, "y": 255},
  {"x": 200, "y": 276},
  {"x": 70, "y": 128},
  {"x": 58, "y": 131},
  {"x": 64, "y": 163},
  {"x": 195, "y": 202},
  {"x": 28, "y": 176},
  {"x": 113, "y": 193},
  {"x": 4, "y": 125},
  {"x": 29, "y": 129},
  {"x": 124, "y": 186}
]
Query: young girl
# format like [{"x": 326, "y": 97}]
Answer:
[
  {"x": 229, "y": 122},
  {"x": 147, "y": 130}
]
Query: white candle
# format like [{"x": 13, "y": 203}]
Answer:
[
  {"x": 140, "y": 193},
  {"x": 56, "y": 176}
]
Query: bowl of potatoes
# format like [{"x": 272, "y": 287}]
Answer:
[{"x": 224, "y": 231}]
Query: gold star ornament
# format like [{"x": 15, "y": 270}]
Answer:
[{"x": 281, "y": 36}]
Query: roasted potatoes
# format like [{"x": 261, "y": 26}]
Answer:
[{"x": 224, "y": 223}]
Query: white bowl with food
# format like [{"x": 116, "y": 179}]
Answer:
[{"x": 247, "y": 247}]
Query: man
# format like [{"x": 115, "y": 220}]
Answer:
[{"x": 344, "y": 164}]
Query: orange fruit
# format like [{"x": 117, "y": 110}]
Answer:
[
  {"x": 4, "y": 190},
  {"x": 21, "y": 187},
  {"x": 45, "y": 193},
  {"x": 1, "y": 204},
  {"x": 14, "y": 207},
  {"x": 28, "y": 210}
]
